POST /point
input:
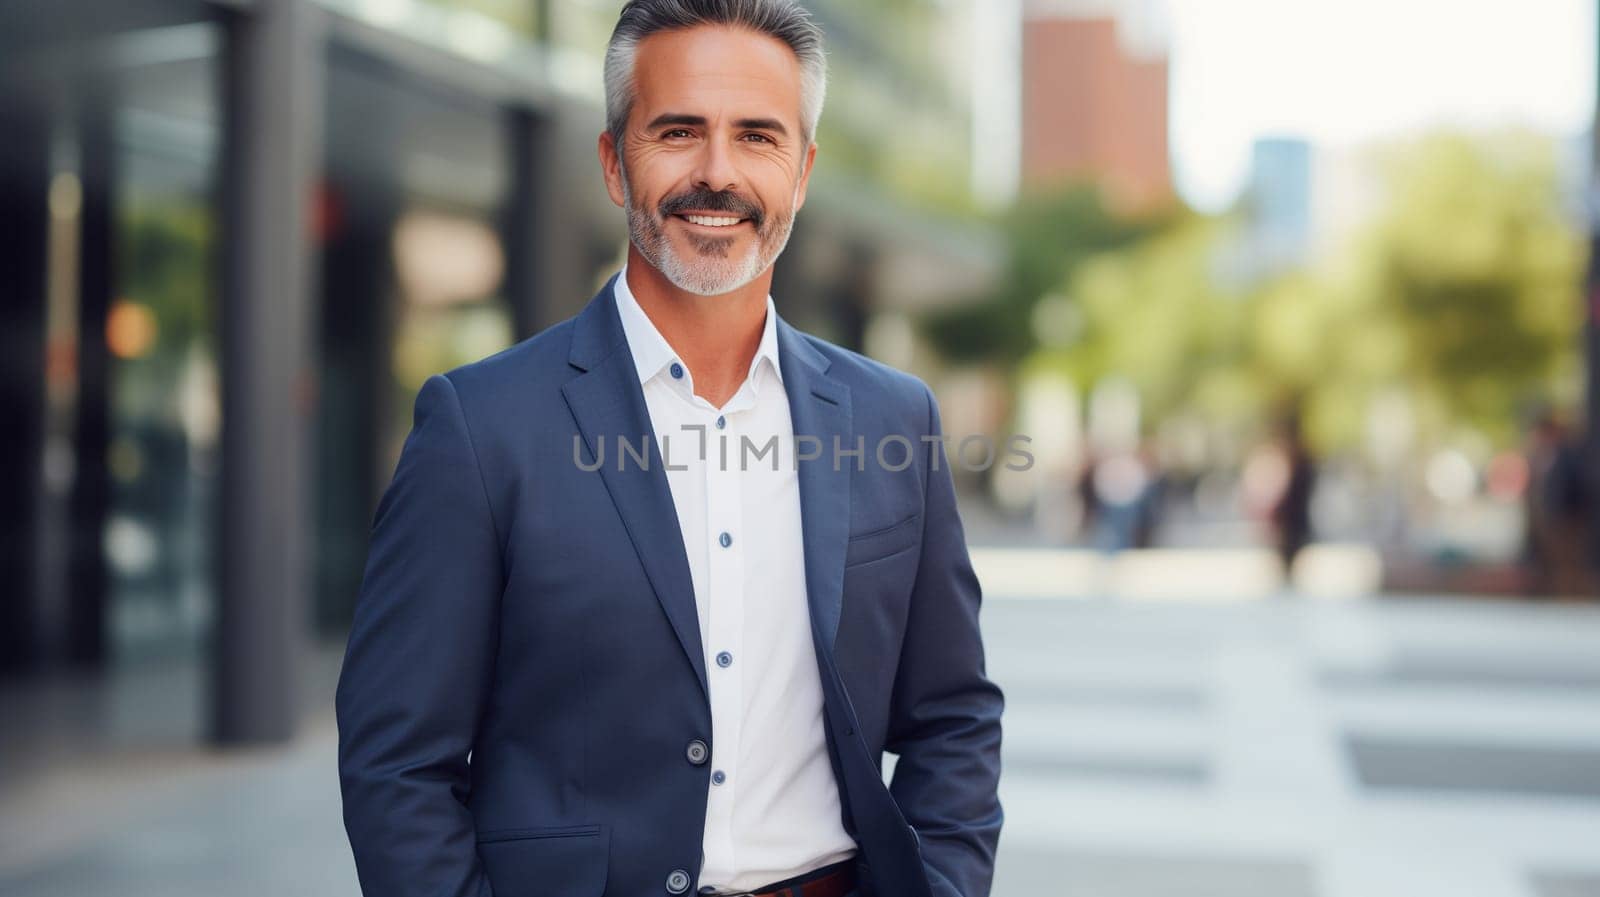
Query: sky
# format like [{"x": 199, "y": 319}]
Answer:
[{"x": 1345, "y": 72}]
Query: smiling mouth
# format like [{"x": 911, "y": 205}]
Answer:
[{"x": 711, "y": 221}]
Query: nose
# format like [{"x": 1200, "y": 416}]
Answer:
[{"x": 714, "y": 169}]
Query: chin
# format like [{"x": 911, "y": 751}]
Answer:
[
  {"x": 701, "y": 288},
  {"x": 693, "y": 278}
]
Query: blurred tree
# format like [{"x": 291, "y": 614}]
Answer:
[
  {"x": 1154, "y": 314},
  {"x": 1331, "y": 343},
  {"x": 1480, "y": 267},
  {"x": 1461, "y": 289},
  {"x": 1048, "y": 235}
]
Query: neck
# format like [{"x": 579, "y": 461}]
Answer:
[{"x": 715, "y": 336}]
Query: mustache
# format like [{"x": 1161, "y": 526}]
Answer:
[{"x": 713, "y": 201}]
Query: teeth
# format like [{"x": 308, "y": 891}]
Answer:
[{"x": 713, "y": 222}]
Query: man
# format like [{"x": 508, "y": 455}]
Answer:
[{"x": 652, "y": 591}]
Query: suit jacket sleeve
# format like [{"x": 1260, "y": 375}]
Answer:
[
  {"x": 418, "y": 664},
  {"x": 945, "y": 713}
]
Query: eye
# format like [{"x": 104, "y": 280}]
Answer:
[
  {"x": 759, "y": 137},
  {"x": 683, "y": 131}
]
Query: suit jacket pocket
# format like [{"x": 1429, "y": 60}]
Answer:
[
  {"x": 884, "y": 541},
  {"x": 569, "y": 860}
]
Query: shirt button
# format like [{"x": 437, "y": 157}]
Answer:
[
  {"x": 724, "y": 659},
  {"x": 722, "y": 421},
  {"x": 725, "y": 540},
  {"x": 678, "y": 881},
  {"x": 697, "y": 752},
  {"x": 677, "y": 371},
  {"x": 717, "y": 777}
]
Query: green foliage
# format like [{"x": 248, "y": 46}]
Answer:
[
  {"x": 1481, "y": 271},
  {"x": 1463, "y": 291},
  {"x": 164, "y": 255},
  {"x": 1049, "y": 236},
  {"x": 1152, "y": 313}
]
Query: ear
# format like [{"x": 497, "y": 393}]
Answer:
[
  {"x": 610, "y": 167},
  {"x": 805, "y": 175}
]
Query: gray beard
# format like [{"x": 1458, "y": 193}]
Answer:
[{"x": 710, "y": 272}]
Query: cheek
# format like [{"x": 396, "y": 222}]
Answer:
[
  {"x": 779, "y": 202},
  {"x": 654, "y": 176},
  {"x": 778, "y": 189}
]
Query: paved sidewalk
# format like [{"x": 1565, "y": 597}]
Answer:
[
  {"x": 1290, "y": 748},
  {"x": 1267, "y": 748}
]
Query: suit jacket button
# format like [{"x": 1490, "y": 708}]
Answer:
[
  {"x": 697, "y": 752},
  {"x": 678, "y": 881}
]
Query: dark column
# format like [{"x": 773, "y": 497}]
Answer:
[
  {"x": 24, "y": 224},
  {"x": 853, "y": 297},
  {"x": 85, "y": 624},
  {"x": 357, "y": 336},
  {"x": 272, "y": 92},
  {"x": 519, "y": 220},
  {"x": 1591, "y": 344},
  {"x": 571, "y": 232}
]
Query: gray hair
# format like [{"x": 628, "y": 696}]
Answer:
[{"x": 785, "y": 20}]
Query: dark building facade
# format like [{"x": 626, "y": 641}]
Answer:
[{"x": 238, "y": 237}]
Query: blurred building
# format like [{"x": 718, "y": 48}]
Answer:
[
  {"x": 995, "y": 94},
  {"x": 1279, "y": 216},
  {"x": 241, "y": 233},
  {"x": 1094, "y": 98},
  {"x": 1280, "y": 198}
]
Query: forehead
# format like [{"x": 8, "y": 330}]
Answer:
[{"x": 710, "y": 69}]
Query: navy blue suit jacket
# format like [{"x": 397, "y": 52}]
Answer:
[{"x": 525, "y": 671}]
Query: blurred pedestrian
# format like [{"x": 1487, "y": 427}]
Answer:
[
  {"x": 1152, "y": 500},
  {"x": 1120, "y": 482},
  {"x": 1291, "y": 512},
  {"x": 1555, "y": 557},
  {"x": 1088, "y": 498}
]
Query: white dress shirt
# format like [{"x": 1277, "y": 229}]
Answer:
[{"x": 772, "y": 810}]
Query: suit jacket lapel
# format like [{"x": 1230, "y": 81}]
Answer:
[
  {"x": 607, "y": 402},
  {"x": 819, "y": 407}
]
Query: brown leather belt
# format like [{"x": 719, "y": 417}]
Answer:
[{"x": 833, "y": 880}]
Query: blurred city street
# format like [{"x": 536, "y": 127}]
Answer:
[
  {"x": 1280, "y": 747},
  {"x": 1295, "y": 594}
]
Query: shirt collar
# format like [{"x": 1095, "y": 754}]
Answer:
[{"x": 652, "y": 352}]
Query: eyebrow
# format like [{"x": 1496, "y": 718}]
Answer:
[{"x": 680, "y": 118}]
